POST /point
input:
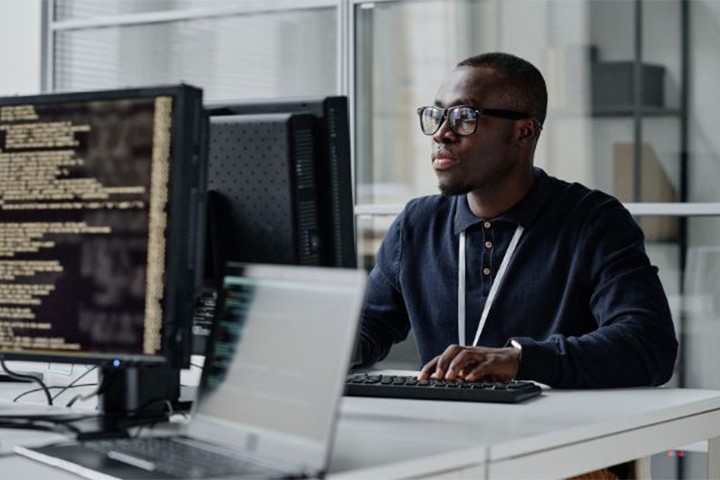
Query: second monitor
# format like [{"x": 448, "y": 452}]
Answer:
[
  {"x": 281, "y": 172},
  {"x": 279, "y": 190},
  {"x": 264, "y": 190}
]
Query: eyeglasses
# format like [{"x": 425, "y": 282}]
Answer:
[{"x": 462, "y": 119}]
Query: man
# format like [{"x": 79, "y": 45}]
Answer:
[{"x": 511, "y": 273}]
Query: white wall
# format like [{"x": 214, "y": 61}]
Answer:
[{"x": 20, "y": 46}]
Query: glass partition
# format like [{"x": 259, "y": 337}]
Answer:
[
  {"x": 590, "y": 53},
  {"x": 268, "y": 54}
]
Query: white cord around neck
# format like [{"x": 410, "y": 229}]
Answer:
[{"x": 493, "y": 288}]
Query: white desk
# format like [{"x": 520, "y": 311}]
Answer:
[{"x": 561, "y": 434}]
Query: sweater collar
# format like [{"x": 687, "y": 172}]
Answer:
[{"x": 522, "y": 213}]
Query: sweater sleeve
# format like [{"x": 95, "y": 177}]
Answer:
[
  {"x": 635, "y": 342},
  {"x": 384, "y": 315}
]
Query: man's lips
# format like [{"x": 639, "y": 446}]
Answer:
[{"x": 442, "y": 160}]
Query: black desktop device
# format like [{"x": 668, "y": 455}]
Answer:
[
  {"x": 101, "y": 205},
  {"x": 325, "y": 135},
  {"x": 264, "y": 189},
  {"x": 279, "y": 190}
]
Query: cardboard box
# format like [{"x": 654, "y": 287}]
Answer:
[{"x": 655, "y": 186}]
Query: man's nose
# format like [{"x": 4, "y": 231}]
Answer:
[{"x": 444, "y": 133}]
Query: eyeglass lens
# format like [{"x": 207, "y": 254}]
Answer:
[{"x": 462, "y": 120}]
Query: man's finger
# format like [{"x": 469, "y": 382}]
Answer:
[
  {"x": 495, "y": 368},
  {"x": 480, "y": 371},
  {"x": 428, "y": 369},
  {"x": 445, "y": 359},
  {"x": 463, "y": 362}
]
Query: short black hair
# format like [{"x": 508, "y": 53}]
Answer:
[{"x": 523, "y": 79}]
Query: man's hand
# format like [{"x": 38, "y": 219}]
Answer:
[{"x": 472, "y": 364}]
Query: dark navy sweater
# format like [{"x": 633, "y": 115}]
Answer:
[{"x": 579, "y": 294}]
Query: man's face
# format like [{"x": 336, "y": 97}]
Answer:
[{"x": 487, "y": 158}]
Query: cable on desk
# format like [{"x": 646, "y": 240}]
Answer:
[
  {"x": 53, "y": 388},
  {"x": 20, "y": 376},
  {"x": 99, "y": 391},
  {"x": 77, "y": 379}
]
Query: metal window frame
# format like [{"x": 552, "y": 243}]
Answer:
[{"x": 642, "y": 209}]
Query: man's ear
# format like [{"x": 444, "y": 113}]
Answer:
[{"x": 528, "y": 130}]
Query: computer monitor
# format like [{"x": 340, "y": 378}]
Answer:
[
  {"x": 279, "y": 189},
  {"x": 264, "y": 190},
  {"x": 101, "y": 202},
  {"x": 325, "y": 137}
]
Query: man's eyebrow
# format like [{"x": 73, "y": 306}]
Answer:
[{"x": 460, "y": 101}]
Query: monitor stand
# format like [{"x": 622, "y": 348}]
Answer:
[{"x": 132, "y": 396}]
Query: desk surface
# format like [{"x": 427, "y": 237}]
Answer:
[
  {"x": 561, "y": 433},
  {"x": 450, "y": 436}
]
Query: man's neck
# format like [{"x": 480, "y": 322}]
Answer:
[{"x": 490, "y": 204}]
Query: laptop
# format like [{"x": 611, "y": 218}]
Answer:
[{"x": 275, "y": 370}]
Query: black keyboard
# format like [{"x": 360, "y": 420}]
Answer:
[{"x": 394, "y": 386}]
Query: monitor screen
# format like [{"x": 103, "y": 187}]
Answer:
[{"x": 100, "y": 200}]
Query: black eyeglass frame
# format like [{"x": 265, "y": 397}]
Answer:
[{"x": 490, "y": 112}]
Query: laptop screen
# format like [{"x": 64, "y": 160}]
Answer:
[{"x": 279, "y": 355}]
